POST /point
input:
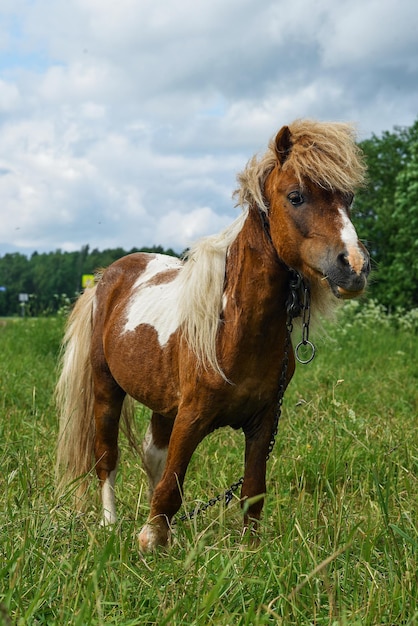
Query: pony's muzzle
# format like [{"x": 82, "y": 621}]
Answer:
[{"x": 347, "y": 277}]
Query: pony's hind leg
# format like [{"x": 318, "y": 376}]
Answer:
[
  {"x": 107, "y": 409},
  {"x": 154, "y": 449}
]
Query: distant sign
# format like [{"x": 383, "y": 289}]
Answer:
[
  {"x": 87, "y": 280},
  {"x": 23, "y": 297}
]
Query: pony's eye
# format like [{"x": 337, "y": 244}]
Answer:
[{"x": 296, "y": 198}]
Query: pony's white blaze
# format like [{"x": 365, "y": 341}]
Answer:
[
  {"x": 156, "y": 305},
  {"x": 349, "y": 238},
  {"x": 108, "y": 500}
]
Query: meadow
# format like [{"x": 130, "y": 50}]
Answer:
[{"x": 338, "y": 540}]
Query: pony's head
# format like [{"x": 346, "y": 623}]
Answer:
[{"x": 306, "y": 183}]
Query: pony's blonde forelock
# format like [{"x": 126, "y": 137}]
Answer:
[{"x": 325, "y": 153}]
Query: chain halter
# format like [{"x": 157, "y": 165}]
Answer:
[{"x": 298, "y": 304}]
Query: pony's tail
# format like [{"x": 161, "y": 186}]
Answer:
[{"x": 74, "y": 399}]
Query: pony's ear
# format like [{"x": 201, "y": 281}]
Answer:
[{"x": 283, "y": 144}]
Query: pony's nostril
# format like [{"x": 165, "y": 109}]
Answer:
[
  {"x": 353, "y": 263},
  {"x": 342, "y": 260}
]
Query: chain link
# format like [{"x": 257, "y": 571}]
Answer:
[{"x": 295, "y": 306}]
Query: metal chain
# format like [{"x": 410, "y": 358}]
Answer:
[
  {"x": 294, "y": 306},
  {"x": 305, "y": 350}
]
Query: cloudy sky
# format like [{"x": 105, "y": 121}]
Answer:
[{"x": 124, "y": 123}]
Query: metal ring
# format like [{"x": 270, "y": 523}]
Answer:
[{"x": 311, "y": 355}]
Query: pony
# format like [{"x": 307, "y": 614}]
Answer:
[{"x": 201, "y": 341}]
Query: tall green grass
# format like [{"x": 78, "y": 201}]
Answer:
[{"x": 338, "y": 541}]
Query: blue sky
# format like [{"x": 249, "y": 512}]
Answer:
[{"x": 124, "y": 124}]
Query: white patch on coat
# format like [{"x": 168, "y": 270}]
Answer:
[
  {"x": 349, "y": 238},
  {"x": 108, "y": 500},
  {"x": 156, "y": 305}
]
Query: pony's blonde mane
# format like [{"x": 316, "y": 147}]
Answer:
[
  {"x": 201, "y": 283},
  {"x": 326, "y": 153}
]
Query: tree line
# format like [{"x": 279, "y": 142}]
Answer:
[
  {"x": 44, "y": 283},
  {"x": 385, "y": 214}
]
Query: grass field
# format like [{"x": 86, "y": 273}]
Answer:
[{"x": 338, "y": 540}]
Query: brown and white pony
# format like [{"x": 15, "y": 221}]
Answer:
[{"x": 201, "y": 341}]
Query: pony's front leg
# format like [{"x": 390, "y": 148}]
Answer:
[
  {"x": 257, "y": 440},
  {"x": 166, "y": 500},
  {"x": 107, "y": 410}
]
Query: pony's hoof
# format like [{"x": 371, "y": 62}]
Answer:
[{"x": 151, "y": 538}]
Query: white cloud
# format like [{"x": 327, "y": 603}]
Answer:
[
  {"x": 373, "y": 32},
  {"x": 9, "y": 97},
  {"x": 186, "y": 227},
  {"x": 124, "y": 124}
]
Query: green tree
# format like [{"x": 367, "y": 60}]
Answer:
[
  {"x": 15, "y": 277},
  {"x": 403, "y": 284},
  {"x": 380, "y": 220}
]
